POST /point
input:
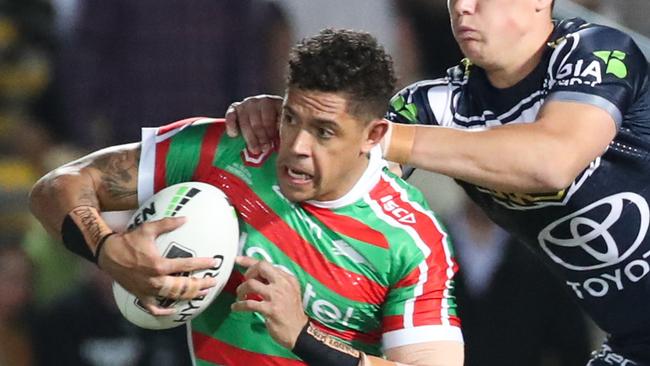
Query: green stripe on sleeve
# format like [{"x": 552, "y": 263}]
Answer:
[{"x": 184, "y": 153}]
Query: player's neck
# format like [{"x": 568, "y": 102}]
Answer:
[
  {"x": 522, "y": 60},
  {"x": 363, "y": 177}
]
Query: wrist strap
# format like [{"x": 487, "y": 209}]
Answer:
[
  {"x": 317, "y": 348},
  {"x": 399, "y": 143},
  {"x": 74, "y": 241},
  {"x": 100, "y": 245}
]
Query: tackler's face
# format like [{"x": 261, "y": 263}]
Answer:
[
  {"x": 323, "y": 149},
  {"x": 487, "y": 29}
]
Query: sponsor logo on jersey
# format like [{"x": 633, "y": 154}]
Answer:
[
  {"x": 590, "y": 72},
  {"x": 614, "y": 61},
  {"x": 399, "y": 213},
  {"x": 323, "y": 310},
  {"x": 601, "y": 235}
]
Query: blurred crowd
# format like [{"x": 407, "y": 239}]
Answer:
[{"x": 76, "y": 75}]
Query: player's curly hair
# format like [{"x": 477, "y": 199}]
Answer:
[{"x": 351, "y": 62}]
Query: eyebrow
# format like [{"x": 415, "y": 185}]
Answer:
[{"x": 321, "y": 121}]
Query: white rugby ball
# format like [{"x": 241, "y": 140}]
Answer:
[{"x": 211, "y": 230}]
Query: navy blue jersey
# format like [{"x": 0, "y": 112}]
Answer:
[{"x": 595, "y": 232}]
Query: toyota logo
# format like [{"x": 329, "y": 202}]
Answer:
[{"x": 586, "y": 240}]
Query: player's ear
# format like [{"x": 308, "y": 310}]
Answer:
[{"x": 374, "y": 132}]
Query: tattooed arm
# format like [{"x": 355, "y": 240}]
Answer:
[{"x": 107, "y": 180}]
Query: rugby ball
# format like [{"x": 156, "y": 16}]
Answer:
[{"x": 211, "y": 230}]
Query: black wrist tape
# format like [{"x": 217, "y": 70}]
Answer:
[
  {"x": 73, "y": 239},
  {"x": 319, "y": 349},
  {"x": 100, "y": 245}
]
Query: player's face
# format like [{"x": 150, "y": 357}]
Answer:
[
  {"x": 487, "y": 31},
  {"x": 322, "y": 149}
]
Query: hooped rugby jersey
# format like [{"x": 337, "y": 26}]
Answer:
[
  {"x": 595, "y": 232},
  {"x": 375, "y": 266}
]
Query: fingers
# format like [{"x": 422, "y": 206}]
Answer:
[
  {"x": 183, "y": 288},
  {"x": 251, "y": 306},
  {"x": 231, "y": 121},
  {"x": 179, "y": 265},
  {"x": 271, "y": 113},
  {"x": 151, "y": 304},
  {"x": 257, "y": 120},
  {"x": 260, "y": 270},
  {"x": 246, "y": 127},
  {"x": 245, "y": 261},
  {"x": 164, "y": 225},
  {"x": 254, "y": 289}
]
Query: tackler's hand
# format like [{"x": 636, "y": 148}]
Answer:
[{"x": 257, "y": 118}]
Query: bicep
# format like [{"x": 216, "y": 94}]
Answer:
[
  {"x": 583, "y": 130},
  {"x": 114, "y": 172},
  {"x": 438, "y": 353}
]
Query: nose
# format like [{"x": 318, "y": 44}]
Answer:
[
  {"x": 461, "y": 7},
  {"x": 302, "y": 143}
]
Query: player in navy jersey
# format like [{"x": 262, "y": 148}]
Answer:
[{"x": 546, "y": 125}]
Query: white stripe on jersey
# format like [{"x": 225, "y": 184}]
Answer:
[
  {"x": 450, "y": 264},
  {"x": 439, "y": 100},
  {"x": 426, "y": 251},
  {"x": 576, "y": 41},
  {"x": 425, "y": 333},
  {"x": 147, "y": 165},
  {"x": 410, "y": 303}
]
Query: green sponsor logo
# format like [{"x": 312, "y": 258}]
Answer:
[
  {"x": 406, "y": 110},
  {"x": 181, "y": 197},
  {"x": 614, "y": 62}
]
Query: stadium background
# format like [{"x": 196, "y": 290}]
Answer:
[{"x": 76, "y": 75}]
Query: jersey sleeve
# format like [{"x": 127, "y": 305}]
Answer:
[
  {"x": 600, "y": 66},
  {"x": 423, "y": 102},
  {"x": 420, "y": 305},
  {"x": 175, "y": 152}
]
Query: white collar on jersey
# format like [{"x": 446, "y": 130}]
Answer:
[{"x": 368, "y": 180}]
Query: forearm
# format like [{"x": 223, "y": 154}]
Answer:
[
  {"x": 317, "y": 348},
  {"x": 514, "y": 158}
]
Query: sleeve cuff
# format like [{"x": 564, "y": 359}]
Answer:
[{"x": 427, "y": 333}]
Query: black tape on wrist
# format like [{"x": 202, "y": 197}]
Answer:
[
  {"x": 73, "y": 239},
  {"x": 319, "y": 349},
  {"x": 100, "y": 245}
]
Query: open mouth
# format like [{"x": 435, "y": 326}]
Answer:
[{"x": 299, "y": 177}]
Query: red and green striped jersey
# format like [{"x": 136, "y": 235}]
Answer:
[{"x": 375, "y": 266}]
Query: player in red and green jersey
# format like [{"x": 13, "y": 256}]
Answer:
[
  {"x": 343, "y": 262},
  {"x": 374, "y": 265}
]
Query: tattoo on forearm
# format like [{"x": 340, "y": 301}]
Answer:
[
  {"x": 118, "y": 178},
  {"x": 87, "y": 218}
]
